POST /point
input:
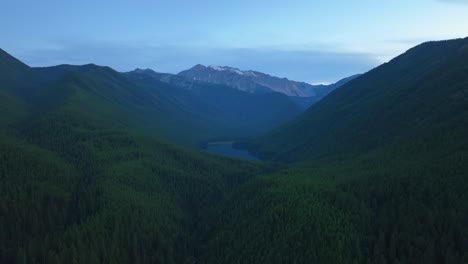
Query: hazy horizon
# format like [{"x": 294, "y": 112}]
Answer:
[{"x": 303, "y": 41}]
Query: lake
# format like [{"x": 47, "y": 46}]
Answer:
[{"x": 225, "y": 148}]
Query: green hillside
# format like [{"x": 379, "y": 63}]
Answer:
[
  {"x": 222, "y": 111},
  {"x": 83, "y": 181},
  {"x": 415, "y": 97},
  {"x": 148, "y": 109},
  {"x": 374, "y": 173},
  {"x": 379, "y": 172}
]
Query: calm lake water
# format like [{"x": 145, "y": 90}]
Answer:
[{"x": 225, "y": 148}]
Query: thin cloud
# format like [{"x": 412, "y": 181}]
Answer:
[{"x": 302, "y": 65}]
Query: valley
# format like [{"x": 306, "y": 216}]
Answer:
[{"x": 102, "y": 166}]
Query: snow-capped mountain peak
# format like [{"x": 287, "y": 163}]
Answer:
[
  {"x": 233, "y": 70},
  {"x": 254, "y": 82}
]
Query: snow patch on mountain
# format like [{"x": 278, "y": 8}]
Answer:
[{"x": 233, "y": 70}]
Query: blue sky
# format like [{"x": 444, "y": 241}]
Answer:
[{"x": 303, "y": 40}]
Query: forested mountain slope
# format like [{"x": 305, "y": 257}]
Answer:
[
  {"x": 81, "y": 184},
  {"x": 238, "y": 113},
  {"x": 162, "y": 109},
  {"x": 374, "y": 173},
  {"x": 417, "y": 95},
  {"x": 378, "y": 172}
]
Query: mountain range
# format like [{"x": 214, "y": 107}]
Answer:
[
  {"x": 251, "y": 82},
  {"x": 257, "y": 82},
  {"x": 209, "y": 110},
  {"x": 171, "y": 103},
  {"x": 236, "y": 113},
  {"x": 99, "y": 166}
]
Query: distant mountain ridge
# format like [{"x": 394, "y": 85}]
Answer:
[
  {"x": 240, "y": 114},
  {"x": 168, "y": 78},
  {"x": 256, "y": 82},
  {"x": 171, "y": 107}
]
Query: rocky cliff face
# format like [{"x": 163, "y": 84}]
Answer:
[{"x": 249, "y": 81}]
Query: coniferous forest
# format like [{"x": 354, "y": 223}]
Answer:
[{"x": 97, "y": 166}]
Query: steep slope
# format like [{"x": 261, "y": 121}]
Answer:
[
  {"x": 343, "y": 81},
  {"x": 317, "y": 92},
  {"x": 418, "y": 95},
  {"x": 148, "y": 110},
  {"x": 255, "y": 82},
  {"x": 12, "y": 73},
  {"x": 241, "y": 114},
  {"x": 379, "y": 173},
  {"x": 228, "y": 76},
  {"x": 84, "y": 180},
  {"x": 11, "y": 69},
  {"x": 163, "y": 105}
]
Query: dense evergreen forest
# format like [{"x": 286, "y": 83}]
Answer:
[
  {"x": 388, "y": 152},
  {"x": 79, "y": 184},
  {"x": 374, "y": 173}
]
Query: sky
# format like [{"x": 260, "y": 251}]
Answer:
[{"x": 304, "y": 40}]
